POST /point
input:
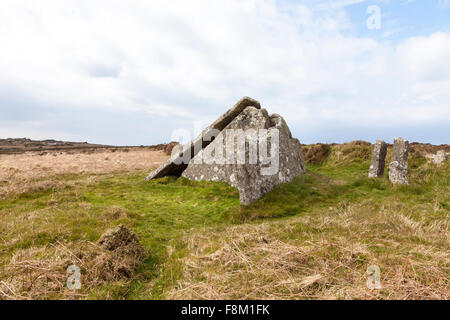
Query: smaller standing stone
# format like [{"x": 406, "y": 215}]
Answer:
[
  {"x": 378, "y": 159},
  {"x": 398, "y": 169},
  {"x": 440, "y": 157}
]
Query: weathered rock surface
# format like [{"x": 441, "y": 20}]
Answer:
[
  {"x": 378, "y": 159},
  {"x": 398, "y": 169},
  {"x": 440, "y": 157},
  {"x": 250, "y": 171},
  {"x": 178, "y": 162}
]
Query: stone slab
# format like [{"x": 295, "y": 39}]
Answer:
[{"x": 178, "y": 162}]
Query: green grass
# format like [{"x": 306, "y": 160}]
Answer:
[{"x": 166, "y": 212}]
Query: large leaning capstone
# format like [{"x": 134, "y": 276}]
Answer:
[
  {"x": 378, "y": 159},
  {"x": 254, "y": 153},
  {"x": 178, "y": 162},
  {"x": 398, "y": 169}
]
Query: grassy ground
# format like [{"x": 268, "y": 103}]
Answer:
[{"x": 312, "y": 238}]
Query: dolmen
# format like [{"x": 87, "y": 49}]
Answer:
[{"x": 245, "y": 147}]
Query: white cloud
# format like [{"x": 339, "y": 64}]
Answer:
[
  {"x": 427, "y": 58},
  {"x": 444, "y": 3},
  {"x": 335, "y": 4},
  {"x": 181, "y": 59}
]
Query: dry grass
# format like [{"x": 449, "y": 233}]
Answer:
[
  {"x": 349, "y": 153},
  {"x": 28, "y": 172},
  {"x": 311, "y": 239},
  {"x": 323, "y": 256},
  {"x": 316, "y": 154},
  {"x": 41, "y": 272}
]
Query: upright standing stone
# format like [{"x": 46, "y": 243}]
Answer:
[
  {"x": 398, "y": 169},
  {"x": 440, "y": 157},
  {"x": 378, "y": 159}
]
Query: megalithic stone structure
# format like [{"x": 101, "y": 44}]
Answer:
[
  {"x": 179, "y": 161},
  {"x": 254, "y": 178},
  {"x": 246, "y": 148},
  {"x": 398, "y": 169},
  {"x": 378, "y": 159}
]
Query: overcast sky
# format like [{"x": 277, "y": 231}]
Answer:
[{"x": 133, "y": 72}]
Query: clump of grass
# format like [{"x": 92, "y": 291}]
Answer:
[
  {"x": 316, "y": 154},
  {"x": 40, "y": 272},
  {"x": 116, "y": 212},
  {"x": 350, "y": 153}
]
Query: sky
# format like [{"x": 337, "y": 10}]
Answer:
[{"x": 147, "y": 72}]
